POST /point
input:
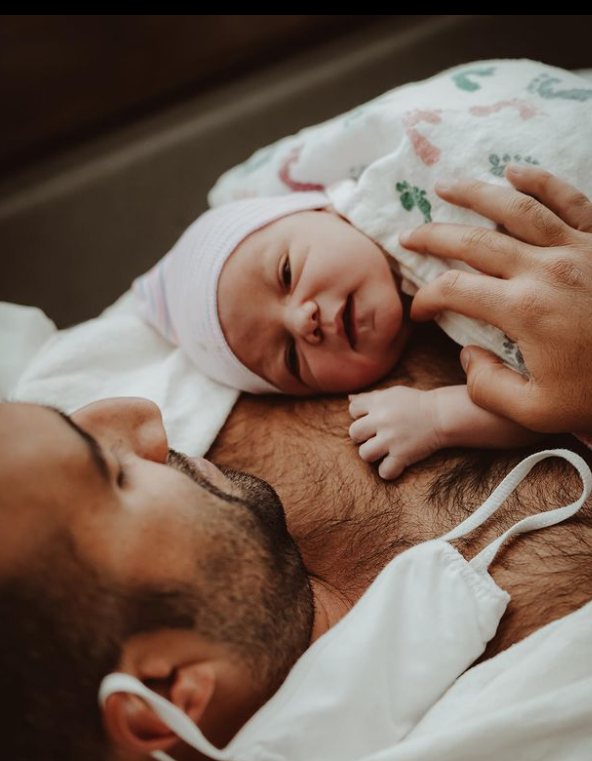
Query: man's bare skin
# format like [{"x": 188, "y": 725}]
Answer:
[{"x": 349, "y": 523}]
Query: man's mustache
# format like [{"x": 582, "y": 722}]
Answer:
[{"x": 183, "y": 464}]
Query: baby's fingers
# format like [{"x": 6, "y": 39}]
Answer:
[
  {"x": 373, "y": 449},
  {"x": 362, "y": 429},
  {"x": 358, "y": 405},
  {"x": 390, "y": 467}
]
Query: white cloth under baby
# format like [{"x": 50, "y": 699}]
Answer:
[
  {"x": 116, "y": 354},
  {"x": 365, "y": 684},
  {"x": 380, "y": 161}
]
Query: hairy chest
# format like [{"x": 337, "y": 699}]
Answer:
[{"x": 548, "y": 573}]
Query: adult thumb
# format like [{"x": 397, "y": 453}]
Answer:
[{"x": 493, "y": 385}]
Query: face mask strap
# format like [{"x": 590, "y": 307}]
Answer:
[
  {"x": 482, "y": 561},
  {"x": 509, "y": 485},
  {"x": 160, "y": 755},
  {"x": 168, "y": 713}
]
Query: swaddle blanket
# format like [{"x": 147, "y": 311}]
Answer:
[
  {"x": 515, "y": 111},
  {"x": 380, "y": 161}
]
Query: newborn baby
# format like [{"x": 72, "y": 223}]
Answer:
[
  {"x": 304, "y": 292},
  {"x": 285, "y": 295},
  {"x": 324, "y": 311}
]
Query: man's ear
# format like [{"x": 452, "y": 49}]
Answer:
[{"x": 133, "y": 725}]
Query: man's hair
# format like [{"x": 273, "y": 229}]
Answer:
[
  {"x": 62, "y": 631},
  {"x": 64, "y": 625}
]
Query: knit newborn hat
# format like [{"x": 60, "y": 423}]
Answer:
[{"x": 179, "y": 295}]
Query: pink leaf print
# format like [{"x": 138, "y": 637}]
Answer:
[
  {"x": 525, "y": 109},
  {"x": 427, "y": 152},
  {"x": 296, "y": 185}
]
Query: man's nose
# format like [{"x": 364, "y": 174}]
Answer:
[
  {"x": 303, "y": 320},
  {"x": 132, "y": 421}
]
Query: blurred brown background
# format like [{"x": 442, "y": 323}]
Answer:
[{"x": 114, "y": 127}]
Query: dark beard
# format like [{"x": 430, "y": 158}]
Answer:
[
  {"x": 259, "y": 497},
  {"x": 285, "y": 612}
]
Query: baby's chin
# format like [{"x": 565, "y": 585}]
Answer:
[
  {"x": 390, "y": 356},
  {"x": 401, "y": 340}
]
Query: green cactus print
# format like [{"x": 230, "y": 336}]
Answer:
[
  {"x": 463, "y": 82},
  {"x": 544, "y": 85},
  {"x": 498, "y": 164},
  {"x": 411, "y": 197}
]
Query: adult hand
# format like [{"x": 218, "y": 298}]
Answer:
[{"x": 534, "y": 284}]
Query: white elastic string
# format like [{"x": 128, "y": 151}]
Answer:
[
  {"x": 172, "y": 716},
  {"x": 509, "y": 484},
  {"x": 541, "y": 520}
]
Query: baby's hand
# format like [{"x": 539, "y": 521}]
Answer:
[{"x": 398, "y": 424}]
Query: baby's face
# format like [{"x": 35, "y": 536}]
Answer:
[{"x": 310, "y": 304}]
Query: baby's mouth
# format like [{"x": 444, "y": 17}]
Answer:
[{"x": 349, "y": 321}]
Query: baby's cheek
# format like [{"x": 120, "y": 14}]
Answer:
[
  {"x": 345, "y": 374},
  {"x": 374, "y": 371}
]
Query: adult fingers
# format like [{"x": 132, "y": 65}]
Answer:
[
  {"x": 484, "y": 298},
  {"x": 566, "y": 201},
  {"x": 521, "y": 215},
  {"x": 488, "y": 251},
  {"x": 495, "y": 387}
]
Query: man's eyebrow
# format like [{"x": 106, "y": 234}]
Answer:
[{"x": 92, "y": 444}]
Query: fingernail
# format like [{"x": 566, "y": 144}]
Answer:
[
  {"x": 515, "y": 169},
  {"x": 445, "y": 183},
  {"x": 404, "y": 236},
  {"x": 465, "y": 358}
]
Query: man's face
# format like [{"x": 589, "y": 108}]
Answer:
[
  {"x": 136, "y": 513},
  {"x": 104, "y": 474}
]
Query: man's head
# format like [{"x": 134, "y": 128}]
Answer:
[{"x": 121, "y": 555}]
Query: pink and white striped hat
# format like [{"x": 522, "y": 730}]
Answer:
[{"x": 179, "y": 295}]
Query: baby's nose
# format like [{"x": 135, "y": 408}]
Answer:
[{"x": 305, "y": 322}]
